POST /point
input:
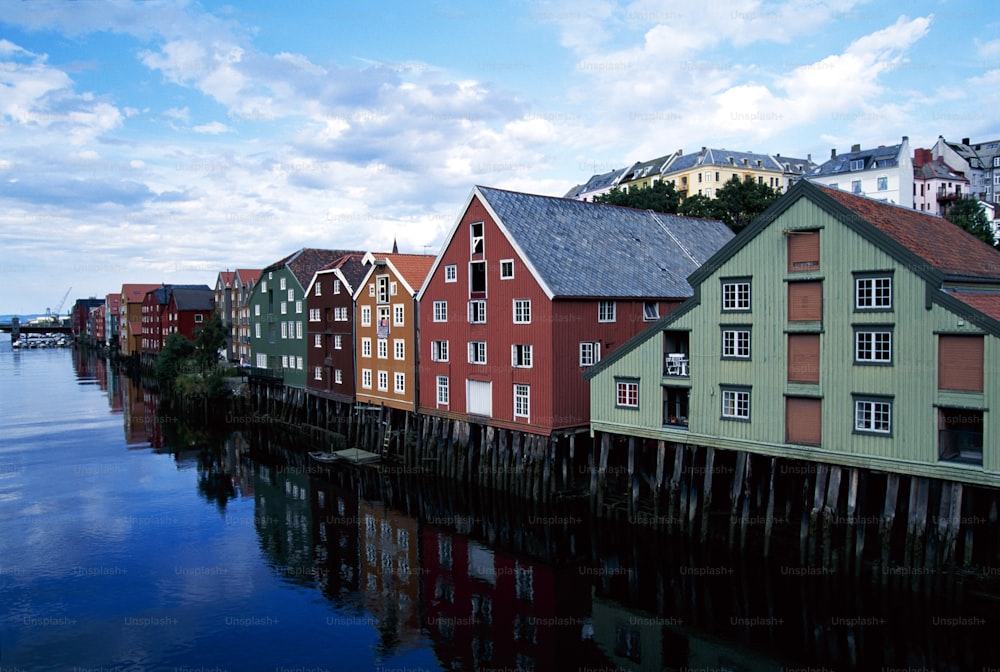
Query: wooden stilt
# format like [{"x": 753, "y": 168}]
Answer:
[
  {"x": 885, "y": 524},
  {"x": 769, "y": 515}
]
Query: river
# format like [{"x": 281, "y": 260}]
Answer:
[{"x": 130, "y": 542}]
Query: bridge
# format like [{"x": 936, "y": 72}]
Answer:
[{"x": 12, "y": 327}]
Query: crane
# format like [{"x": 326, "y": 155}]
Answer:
[{"x": 55, "y": 313}]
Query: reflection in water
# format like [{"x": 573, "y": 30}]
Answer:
[{"x": 485, "y": 581}]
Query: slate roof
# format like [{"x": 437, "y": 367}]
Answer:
[
  {"x": 881, "y": 157},
  {"x": 350, "y": 267},
  {"x": 795, "y": 166},
  {"x": 937, "y": 169},
  {"x": 580, "y": 249},
  {"x": 945, "y": 247},
  {"x": 597, "y": 183},
  {"x": 194, "y": 298},
  {"x": 721, "y": 157},
  {"x": 305, "y": 262},
  {"x": 983, "y": 151}
]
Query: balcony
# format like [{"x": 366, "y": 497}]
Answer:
[
  {"x": 943, "y": 195},
  {"x": 676, "y": 360},
  {"x": 675, "y": 407},
  {"x": 963, "y": 446},
  {"x": 676, "y": 364}
]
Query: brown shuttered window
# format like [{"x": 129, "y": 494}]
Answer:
[
  {"x": 805, "y": 301},
  {"x": 803, "y": 421},
  {"x": 803, "y": 250},
  {"x": 803, "y": 358},
  {"x": 960, "y": 363}
]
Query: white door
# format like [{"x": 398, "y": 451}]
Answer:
[{"x": 479, "y": 397}]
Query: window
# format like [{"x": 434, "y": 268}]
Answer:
[
  {"x": 383, "y": 348},
  {"x": 872, "y": 347},
  {"x": 803, "y": 358},
  {"x": 477, "y": 312},
  {"x": 650, "y": 311},
  {"x": 477, "y": 352},
  {"x": 440, "y": 311},
  {"x": 451, "y": 273},
  {"x": 284, "y": 330},
  {"x": 298, "y": 362},
  {"x": 399, "y": 383},
  {"x": 398, "y": 348},
  {"x": 873, "y": 293},
  {"x": 522, "y": 401},
  {"x": 261, "y": 360},
  {"x": 873, "y": 416},
  {"x": 284, "y": 308},
  {"x": 256, "y": 310},
  {"x": 298, "y": 330},
  {"x": 340, "y": 314},
  {"x": 317, "y": 340},
  {"x": 291, "y": 295},
  {"x": 856, "y": 186},
  {"x": 383, "y": 381},
  {"x": 506, "y": 269},
  {"x": 371, "y": 289},
  {"x": 442, "y": 390},
  {"x": 338, "y": 342},
  {"x": 382, "y": 289},
  {"x": 521, "y": 356},
  {"x": 477, "y": 279},
  {"x": 336, "y": 286},
  {"x": 393, "y": 288},
  {"x": 284, "y": 361},
  {"x": 804, "y": 421},
  {"x": 960, "y": 363},
  {"x": 256, "y": 330},
  {"x": 857, "y": 164},
  {"x": 590, "y": 353},
  {"x": 736, "y": 343},
  {"x": 282, "y": 283},
  {"x": 338, "y": 376},
  {"x": 476, "y": 234},
  {"x": 883, "y": 183},
  {"x": 318, "y": 373},
  {"x": 398, "y": 314},
  {"x": 439, "y": 351},
  {"x": 366, "y": 316},
  {"x": 366, "y": 378},
  {"x": 736, "y": 295},
  {"x": 366, "y": 347},
  {"x": 522, "y": 311},
  {"x": 735, "y": 403},
  {"x": 314, "y": 315},
  {"x": 960, "y": 435},
  {"x": 805, "y": 301},
  {"x": 803, "y": 250},
  {"x": 627, "y": 393},
  {"x": 298, "y": 307},
  {"x": 606, "y": 311}
]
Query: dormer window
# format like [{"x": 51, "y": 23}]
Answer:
[
  {"x": 857, "y": 164},
  {"x": 476, "y": 231}
]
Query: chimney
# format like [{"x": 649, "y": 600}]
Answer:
[
  {"x": 965, "y": 141},
  {"x": 833, "y": 153},
  {"x": 809, "y": 157},
  {"x": 856, "y": 148}
]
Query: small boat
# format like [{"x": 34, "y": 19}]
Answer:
[{"x": 324, "y": 457}]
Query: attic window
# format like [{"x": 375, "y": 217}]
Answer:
[
  {"x": 476, "y": 231},
  {"x": 857, "y": 164}
]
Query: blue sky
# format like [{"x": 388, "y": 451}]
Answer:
[{"x": 165, "y": 140}]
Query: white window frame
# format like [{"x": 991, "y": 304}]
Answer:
[
  {"x": 650, "y": 311},
  {"x": 336, "y": 286},
  {"x": 607, "y": 311},
  {"x": 477, "y": 352},
  {"x": 451, "y": 273},
  {"x": 477, "y": 311},
  {"x": 627, "y": 393},
  {"x": 442, "y": 391},
  {"x": 874, "y": 294},
  {"x": 317, "y": 340},
  {"x": 338, "y": 342},
  {"x": 506, "y": 269},
  {"x": 521, "y": 355},
  {"x": 440, "y": 311},
  {"x": 522, "y": 311},
  {"x": 382, "y": 348},
  {"x": 338, "y": 376},
  {"x": 398, "y": 314},
  {"x": 590, "y": 353},
  {"x": 383, "y": 381},
  {"x": 318, "y": 373},
  {"x": 366, "y": 346},
  {"x": 868, "y": 339},
  {"x": 873, "y": 416},
  {"x": 735, "y": 404},
  {"x": 522, "y": 401},
  {"x": 366, "y": 316},
  {"x": 399, "y": 382},
  {"x": 439, "y": 351},
  {"x": 366, "y": 379},
  {"x": 399, "y": 348},
  {"x": 736, "y": 296},
  {"x": 736, "y": 343}
]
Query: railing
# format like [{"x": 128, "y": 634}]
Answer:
[
  {"x": 960, "y": 446},
  {"x": 677, "y": 364},
  {"x": 267, "y": 375},
  {"x": 944, "y": 195}
]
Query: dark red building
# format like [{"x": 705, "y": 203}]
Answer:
[
  {"x": 330, "y": 337},
  {"x": 162, "y": 316},
  {"x": 529, "y": 291}
]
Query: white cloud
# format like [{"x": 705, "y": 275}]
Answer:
[{"x": 213, "y": 128}]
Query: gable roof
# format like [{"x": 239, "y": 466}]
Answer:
[
  {"x": 577, "y": 249},
  {"x": 350, "y": 269},
  {"x": 305, "y": 262},
  {"x": 193, "y": 298},
  {"x": 947, "y": 248},
  {"x": 136, "y": 293},
  {"x": 247, "y": 276},
  {"x": 227, "y": 278},
  {"x": 411, "y": 269}
]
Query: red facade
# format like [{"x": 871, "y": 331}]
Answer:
[
  {"x": 557, "y": 396},
  {"x": 153, "y": 321},
  {"x": 330, "y": 327},
  {"x": 185, "y": 319}
]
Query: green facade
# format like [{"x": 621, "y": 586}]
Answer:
[
  {"x": 921, "y": 313},
  {"x": 278, "y": 332}
]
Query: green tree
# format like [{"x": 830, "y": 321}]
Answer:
[
  {"x": 738, "y": 202},
  {"x": 661, "y": 197},
  {"x": 970, "y": 214},
  {"x": 173, "y": 359},
  {"x": 209, "y": 339},
  {"x": 698, "y": 205}
]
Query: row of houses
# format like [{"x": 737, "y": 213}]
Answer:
[
  {"x": 928, "y": 180},
  {"x": 873, "y": 344}
]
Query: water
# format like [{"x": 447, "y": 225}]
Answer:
[{"x": 129, "y": 542}]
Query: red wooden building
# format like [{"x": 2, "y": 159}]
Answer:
[
  {"x": 163, "y": 315},
  {"x": 330, "y": 338},
  {"x": 529, "y": 291}
]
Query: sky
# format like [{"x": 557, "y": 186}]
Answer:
[{"x": 158, "y": 141}]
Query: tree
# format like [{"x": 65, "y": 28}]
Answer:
[
  {"x": 970, "y": 214},
  {"x": 661, "y": 197},
  {"x": 698, "y": 205},
  {"x": 209, "y": 339},
  {"x": 738, "y": 202},
  {"x": 173, "y": 359}
]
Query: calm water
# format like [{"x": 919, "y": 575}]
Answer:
[{"x": 128, "y": 542}]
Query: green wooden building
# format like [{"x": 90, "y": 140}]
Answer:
[
  {"x": 278, "y": 314},
  {"x": 837, "y": 329}
]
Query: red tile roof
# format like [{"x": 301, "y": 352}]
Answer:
[
  {"x": 135, "y": 293},
  {"x": 412, "y": 267},
  {"x": 227, "y": 278},
  {"x": 987, "y": 303},
  {"x": 944, "y": 246}
]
